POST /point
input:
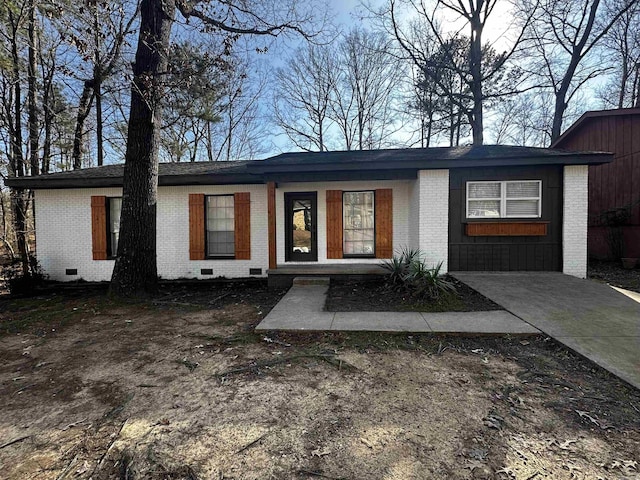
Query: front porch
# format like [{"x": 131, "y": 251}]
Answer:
[{"x": 283, "y": 275}]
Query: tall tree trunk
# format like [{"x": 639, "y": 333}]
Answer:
[
  {"x": 209, "y": 143},
  {"x": 475, "y": 60},
  {"x": 48, "y": 104},
  {"x": 16, "y": 167},
  {"x": 636, "y": 88},
  {"x": 97, "y": 84},
  {"x": 84, "y": 107},
  {"x": 135, "y": 270},
  {"x": 561, "y": 99},
  {"x": 97, "y": 91},
  {"x": 33, "y": 120}
]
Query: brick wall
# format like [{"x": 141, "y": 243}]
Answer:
[
  {"x": 575, "y": 220},
  {"x": 63, "y": 233},
  {"x": 431, "y": 195}
]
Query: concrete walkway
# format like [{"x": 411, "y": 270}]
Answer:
[
  {"x": 589, "y": 317},
  {"x": 302, "y": 308}
]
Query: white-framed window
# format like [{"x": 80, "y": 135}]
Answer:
[
  {"x": 504, "y": 199},
  {"x": 358, "y": 223},
  {"x": 220, "y": 226}
]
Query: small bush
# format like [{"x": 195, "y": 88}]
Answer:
[
  {"x": 20, "y": 284},
  {"x": 408, "y": 271},
  {"x": 398, "y": 265}
]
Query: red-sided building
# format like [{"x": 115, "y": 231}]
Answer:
[{"x": 613, "y": 187}]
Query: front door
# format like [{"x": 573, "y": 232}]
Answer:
[{"x": 300, "y": 223}]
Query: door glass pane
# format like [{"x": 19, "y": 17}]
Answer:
[{"x": 302, "y": 226}]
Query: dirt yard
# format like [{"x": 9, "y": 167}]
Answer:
[{"x": 181, "y": 388}]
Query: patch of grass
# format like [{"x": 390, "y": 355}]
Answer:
[{"x": 40, "y": 315}]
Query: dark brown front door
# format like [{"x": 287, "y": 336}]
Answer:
[{"x": 300, "y": 223}]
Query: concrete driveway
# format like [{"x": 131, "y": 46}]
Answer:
[{"x": 587, "y": 316}]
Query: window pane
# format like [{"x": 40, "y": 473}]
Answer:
[
  {"x": 484, "y": 190},
  {"x": 523, "y": 189},
  {"x": 358, "y": 223},
  {"x": 220, "y": 225},
  {"x": 522, "y": 208},
  {"x": 484, "y": 208},
  {"x": 115, "y": 208}
]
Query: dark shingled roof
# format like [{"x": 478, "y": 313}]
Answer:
[
  {"x": 317, "y": 166},
  {"x": 435, "y": 157},
  {"x": 189, "y": 173}
]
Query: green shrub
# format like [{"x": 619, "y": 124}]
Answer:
[
  {"x": 408, "y": 271},
  {"x": 398, "y": 266}
]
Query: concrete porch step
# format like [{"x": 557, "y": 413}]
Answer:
[{"x": 311, "y": 280}]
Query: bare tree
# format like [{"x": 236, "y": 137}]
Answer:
[
  {"x": 99, "y": 31},
  {"x": 135, "y": 270},
  {"x": 476, "y": 71},
  {"x": 566, "y": 33},
  {"x": 622, "y": 45},
  {"x": 303, "y": 96},
  {"x": 242, "y": 130},
  {"x": 364, "y": 106}
]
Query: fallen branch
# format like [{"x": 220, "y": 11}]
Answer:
[
  {"x": 180, "y": 304},
  {"x": 24, "y": 388},
  {"x": 15, "y": 440},
  {"x": 220, "y": 297},
  {"x": 249, "y": 445},
  {"x": 71, "y": 425},
  {"x": 66, "y": 471},
  {"x": 319, "y": 474},
  {"x": 108, "y": 450}
]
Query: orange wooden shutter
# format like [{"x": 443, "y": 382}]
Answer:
[
  {"x": 271, "y": 221},
  {"x": 334, "y": 223},
  {"x": 242, "y": 220},
  {"x": 99, "y": 227},
  {"x": 196, "y": 226},
  {"x": 384, "y": 223}
]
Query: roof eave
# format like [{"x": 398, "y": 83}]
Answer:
[
  {"x": 562, "y": 159},
  {"x": 557, "y": 143},
  {"x": 43, "y": 183}
]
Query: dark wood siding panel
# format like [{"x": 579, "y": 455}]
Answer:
[
  {"x": 99, "y": 227},
  {"x": 384, "y": 222},
  {"x": 615, "y": 184},
  {"x": 500, "y": 253},
  {"x": 334, "y": 223},
  {"x": 196, "y": 226},
  {"x": 242, "y": 224}
]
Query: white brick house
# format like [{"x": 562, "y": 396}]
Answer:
[{"x": 471, "y": 208}]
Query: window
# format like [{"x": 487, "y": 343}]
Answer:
[
  {"x": 114, "y": 206},
  {"x": 358, "y": 223},
  {"x": 220, "y": 226},
  {"x": 506, "y": 199}
]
